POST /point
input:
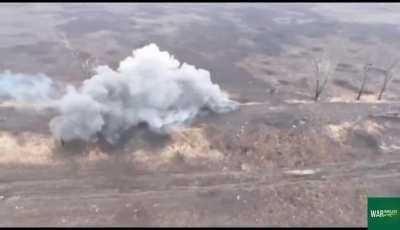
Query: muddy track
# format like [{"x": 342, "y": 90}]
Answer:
[
  {"x": 188, "y": 181},
  {"x": 23, "y": 201}
]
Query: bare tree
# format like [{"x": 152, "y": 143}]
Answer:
[
  {"x": 364, "y": 80},
  {"x": 323, "y": 68},
  {"x": 388, "y": 74},
  {"x": 324, "y": 62},
  {"x": 318, "y": 78},
  {"x": 381, "y": 61}
]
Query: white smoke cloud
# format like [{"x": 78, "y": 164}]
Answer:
[
  {"x": 24, "y": 88},
  {"x": 150, "y": 86}
]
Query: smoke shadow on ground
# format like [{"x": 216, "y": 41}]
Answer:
[
  {"x": 134, "y": 139},
  {"x": 362, "y": 139},
  {"x": 70, "y": 149}
]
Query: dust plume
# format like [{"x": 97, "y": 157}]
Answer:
[
  {"x": 150, "y": 86},
  {"x": 23, "y": 88}
]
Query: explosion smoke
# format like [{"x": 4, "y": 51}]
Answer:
[
  {"x": 150, "y": 86},
  {"x": 18, "y": 87}
]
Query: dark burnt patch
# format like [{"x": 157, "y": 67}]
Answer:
[
  {"x": 283, "y": 82},
  {"x": 25, "y": 120},
  {"x": 135, "y": 138},
  {"x": 349, "y": 86},
  {"x": 364, "y": 142},
  {"x": 317, "y": 49},
  {"x": 70, "y": 149}
]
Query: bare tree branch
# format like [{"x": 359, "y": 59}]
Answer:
[
  {"x": 322, "y": 70},
  {"x": 317, "y": 77},
  {"x": 388, "y": 73},
  {"x": 364, "y": 80}
]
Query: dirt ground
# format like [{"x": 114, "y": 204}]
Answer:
[{"x": 280, "y": 160}]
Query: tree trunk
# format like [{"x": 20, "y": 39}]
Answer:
[
  {"x": 383, "y": 87},
  {"x": 360, "y": 92},
  {"x": 362, "y": 85},
  {"x": 317, "y": 90},
  {"x": 380, "y": 94}
]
